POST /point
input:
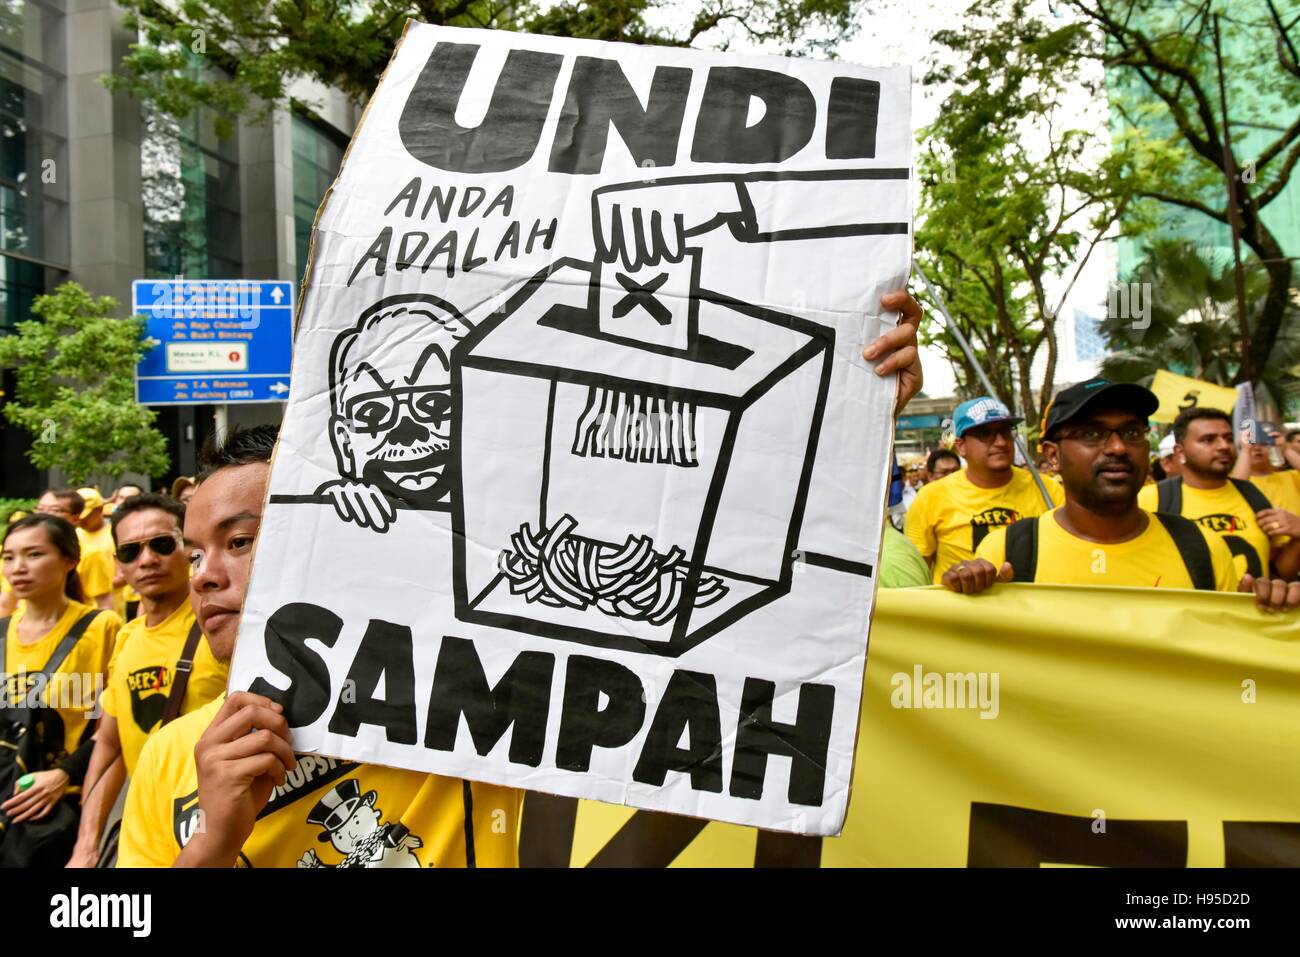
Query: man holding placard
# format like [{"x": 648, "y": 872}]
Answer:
[{"x": 222, "y": 787}]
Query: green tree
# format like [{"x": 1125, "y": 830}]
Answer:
[
  {"x": 76, "y": 391},
  {"x": 260, "y": 49},
  {"x": 1164, "y": 61},
  {"x": 1017, "y": 193},
  {"x": 1193, "y": 325}
]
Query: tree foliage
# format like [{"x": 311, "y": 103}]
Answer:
[
  {"x": 259, "y": 50},
  {"x": 1193, "y": 325},
  {"x": 1018, "y": 191},
  {"x": 1165, "y": 66},
  {"x": 75, "y": 389},
  {"x": 1168, "y": 65}
]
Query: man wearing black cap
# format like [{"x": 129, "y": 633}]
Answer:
[{"x": 1095, "y": 434}]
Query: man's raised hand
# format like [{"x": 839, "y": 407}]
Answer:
[
  {"x": 241, "y": 758},
  {"x": 896, "y": 350}
]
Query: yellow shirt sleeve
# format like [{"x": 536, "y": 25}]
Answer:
[
  {"x": 994, "y": 547},
  {"x": 96, "y": 573},
  {"x": 918, "y": 524},
  {"x": 146, "y": 836}
]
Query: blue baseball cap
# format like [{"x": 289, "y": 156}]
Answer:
[{"x": 981, "y": 410}]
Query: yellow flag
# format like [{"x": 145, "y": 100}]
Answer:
[
  {"x": 1177, "y": 392},
  {"x": 1037, "y": 726}
]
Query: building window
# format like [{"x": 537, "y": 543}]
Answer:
[
  {"x": 317, "y": 156},
  {"x": 190, "y": 187},
  {"x": 33, "y": 142},
  {"x": 20, "y": 283}
]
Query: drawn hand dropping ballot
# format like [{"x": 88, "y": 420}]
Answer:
[{"x": 623, "y": 490}]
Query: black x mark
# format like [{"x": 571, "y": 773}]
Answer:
[{"x": 642, "y": 295}]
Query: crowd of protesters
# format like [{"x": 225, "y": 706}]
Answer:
[
  {"x": 1209, "y": 512},
  {"x": 119, "y": 621}
]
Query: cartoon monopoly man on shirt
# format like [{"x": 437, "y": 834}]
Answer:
[
  {"x": 352, "y": 825},
  {"x": 390, "y": 392}
]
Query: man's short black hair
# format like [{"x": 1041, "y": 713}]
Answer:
[
  {"x": 240, "y": 447},
  {"x": 933, "y": 459},
  {"x": 1291, "y": 436},
  {"x": 1188, "y": 416},
  {"x": 76, "y": 504},
  {"x": 146, "y": 500}
]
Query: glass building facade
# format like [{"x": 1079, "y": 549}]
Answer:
[
  {"x": 190, "y": 186},
  {"x": 99, "y": 188},
  {"x": 33, "y": 157},
  {"x": 317, "y": 156},
  {"x": 1259, "y": 110}
]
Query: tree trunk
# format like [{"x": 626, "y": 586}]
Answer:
[{"x": 1276, "y": 301}]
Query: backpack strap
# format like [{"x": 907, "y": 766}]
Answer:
[
  {"x": 1169, "y": 495},
  {"x": 184, "y": 665},
  {"x": 69, "y": 641},
  {"x": 1256, "y": 499},
  {"x": 62, "y": 651},
  {"x": 1192, "y": 548},
  {"x": 1022, "y": 549}
]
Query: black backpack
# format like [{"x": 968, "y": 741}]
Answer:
[
  {"x": 49, "y": 841},
  {"x": 1022, "y": 549},
  {"x": 1169, "y": 495}
]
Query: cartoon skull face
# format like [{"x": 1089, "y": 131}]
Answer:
[{"x": 391, "y": 382}]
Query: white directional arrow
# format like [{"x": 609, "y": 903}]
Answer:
[
  {"x": 277, "y": 294},
  {"x": 279, "y": 388}
]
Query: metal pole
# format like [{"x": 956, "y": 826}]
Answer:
[{"x": 984, "y": 379}]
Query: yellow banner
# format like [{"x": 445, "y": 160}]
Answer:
[
  {"x": 1177, "y": 392},
  {"x": 1032, "y": 726}
]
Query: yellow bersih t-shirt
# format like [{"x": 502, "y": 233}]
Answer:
[
  {"x": 74, "y": 689},
  {"x": 1224, "y": 511},
  {"x": 141, "y": 674},
  {"x": 1151, "y": 560},
  {"x": 950, "y": 517},
  {"x": 329, "y": 813}
]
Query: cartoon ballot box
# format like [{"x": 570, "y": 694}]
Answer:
[{"x": 628, "y": 489}]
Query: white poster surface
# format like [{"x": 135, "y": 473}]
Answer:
[{"x": 581, "y": 480}]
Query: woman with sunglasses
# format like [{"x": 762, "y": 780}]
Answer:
[
  {"x": 40, "y": 555},
  {"x": 145, "y": 670}
]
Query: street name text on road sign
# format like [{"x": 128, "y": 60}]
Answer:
[{"x": 216, "y": 340}]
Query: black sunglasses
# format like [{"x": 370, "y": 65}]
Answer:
[{"x": 160, "y": 544}]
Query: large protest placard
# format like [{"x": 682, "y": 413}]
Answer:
[
  {"x": 581, "y": 480},
  {"x": 1051, "y": 726}
]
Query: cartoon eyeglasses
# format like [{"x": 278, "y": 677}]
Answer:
[{"x": 376, "y": 412}]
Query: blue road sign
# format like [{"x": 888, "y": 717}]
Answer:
[{"x": 218, "y": 340}]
